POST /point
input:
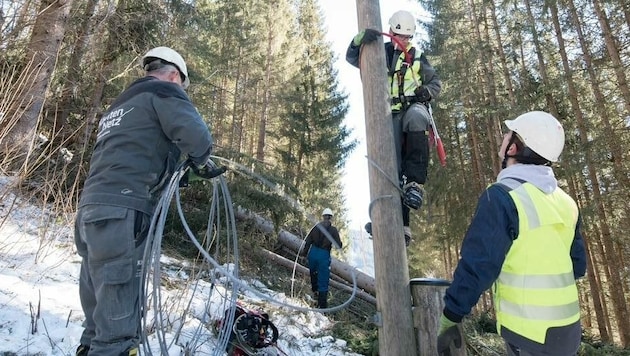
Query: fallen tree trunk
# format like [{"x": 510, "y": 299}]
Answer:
[
  {"x": 303, "y": 270},
  {"x": 294, "y": 243}
]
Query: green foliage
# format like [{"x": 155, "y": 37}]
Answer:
[
  {"x": 602, "y": 350},
  {"x": 241, "y": 57},
  {"x": 196, "y": 201},
  {"x": 313, "y": 140},
  {"x": 593, "y": 346},
  {"x": 485, "y": 323},
  {"x": 260, "y": 188},
  {"x": 262, "y": 78},
  {"x": 361, "y": 335}
]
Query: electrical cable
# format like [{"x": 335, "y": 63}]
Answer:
[{"x": 222, "y": 238}]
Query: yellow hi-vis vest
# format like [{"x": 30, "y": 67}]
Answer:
[
  {"x": 409, "y": 84},
  {"x": 536, "y": 288}
]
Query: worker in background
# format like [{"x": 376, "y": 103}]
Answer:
[
  {"x": 322, "y": 237},
  {"x": 525, "y": 239},
  {"x": 413, "y": 83}
]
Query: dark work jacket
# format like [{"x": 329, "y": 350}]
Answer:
[
  {"x": 317, "y": 236},
  {"x": 140, "y": 140}
]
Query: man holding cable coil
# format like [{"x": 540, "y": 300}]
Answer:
[{"x": 139, "y": 142}]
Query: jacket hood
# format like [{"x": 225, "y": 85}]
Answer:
[{"x": 541, "y": 177}]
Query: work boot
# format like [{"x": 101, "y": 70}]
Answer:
[
  {"x": 82, "y": 350},
  {"x": 407, "y": 231},
  {"x": 322, "y": 300},
  {"x": 131, "y": 352},
  {"x": 413, "y": 195}
]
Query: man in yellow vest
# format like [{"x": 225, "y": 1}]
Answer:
[
  {"x": 413, "y": 83},
  {"x": 524, "y": 240}
]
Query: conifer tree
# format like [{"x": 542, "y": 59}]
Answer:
[{"x": 314, "y": 141}]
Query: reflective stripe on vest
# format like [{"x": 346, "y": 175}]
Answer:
[
  {"x": 540, "y": 312},
  {"x": 537, "y": 281},
  {"x": 409, "y": 83},
  {"x": 536, "y": 288}
]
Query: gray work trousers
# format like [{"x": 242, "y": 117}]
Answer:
[
  {"x": 411, "y": 128},
  {"x": 414, "y": 120},
  {"x": 111, "y": 241}
]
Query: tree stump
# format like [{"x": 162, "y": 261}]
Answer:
[{"x": 428, "y": 302}]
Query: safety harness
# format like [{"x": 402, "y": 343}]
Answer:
[{"x": 408, "y": 61}]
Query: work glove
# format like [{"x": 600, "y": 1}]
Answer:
[
  {"x": 448, "y": 334},
  {"x": 206, "y": 172},
  {"x": 366, "y": 36},
  {"x": 422, "y": 94},
  {"x": 199, "y": 173}
]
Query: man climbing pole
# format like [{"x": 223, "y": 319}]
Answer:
[{"x": 413, "y": 83}]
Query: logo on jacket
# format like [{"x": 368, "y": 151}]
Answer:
[{"x": 112, "y": 119}]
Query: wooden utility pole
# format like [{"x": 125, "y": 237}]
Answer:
[{"x": 393, "y": 295}]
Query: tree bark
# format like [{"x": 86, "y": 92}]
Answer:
[
  {"x": 613, "y": 265},
  {"x": 264, "y": 110},
  {"x": 487, "y": 80},
  {"x": 617, "y": 64},
  {"x": 502, "y": 57},
  {"x": 72, "y": 79},
  {"x": 542, "y": 67},
  {"x": 42, "y": 51},
  {"x": 592, "y": 274},
  {"x": 235, "y": 126}
]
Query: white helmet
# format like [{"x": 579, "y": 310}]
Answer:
[
  {"x": 171, "y": 56},
  {"x": 403, "y": 23},
  {"x": 327, "y": 211},
  {"x": 541, "y": 132}
]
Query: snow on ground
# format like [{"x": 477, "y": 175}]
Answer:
[{"x": 40, "y": 311}]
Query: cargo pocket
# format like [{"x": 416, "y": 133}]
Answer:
[
  {"x": 119, "y": 291},
  {"x": 99, "y": 214},
  {"x": 108, "y": 232}
]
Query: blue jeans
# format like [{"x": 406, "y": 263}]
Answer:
[
  {"x": 111, "y": 241},
  {"x": 319, "y": 266}
]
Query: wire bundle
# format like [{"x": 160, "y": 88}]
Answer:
[{"x": 220, "y": 243}]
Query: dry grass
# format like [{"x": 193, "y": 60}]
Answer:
[{"x": 39, "y": 167}]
